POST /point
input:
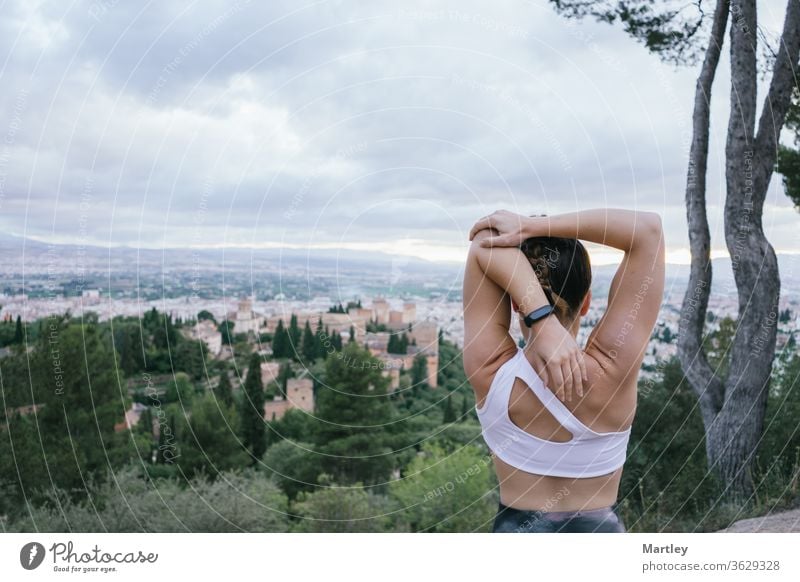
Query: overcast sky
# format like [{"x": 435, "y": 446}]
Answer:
[{"x": 361, "y": 125}]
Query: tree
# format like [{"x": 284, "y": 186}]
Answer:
[
  {"x": 343, "y": 509},
  {"x": 19, "y": 335},
  {"x": 294, "y": 465},
  {"x": 253, "y": 428},
  {"x": 240, "y": 500},
  {"x": 352, "y": 408},
  {"x": 308, "y": 347},
  {"x": 464, "y": 409},
  {"x": 789, "y": 157},
  {"x": 319, "y": 337},
  {"x": 73, "y": 375},
  {"x": 167, "y": 450},
  {"x": 207, "y": 439},
  {"x": 419, "y": 371},
  {"x": 180, "y": 389},
  {"x": 733, "y": 409},
  {"x": 281, "y": 347},
  {"x": 445, "y": 491},
  {"x": 294, "y": 337},
  {"x": 449, "y": 415},
  {"x": 206, "y": 315},
  {"x": 224, "y": 391},
  {"x": 352, "y": 337},
  {"x": 226, "y": 329}
]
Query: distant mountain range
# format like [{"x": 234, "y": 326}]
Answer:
[{"x": 297, "y": 260}]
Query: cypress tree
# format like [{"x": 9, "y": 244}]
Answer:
[
  {"x": 284, "y": 374},
  {"x": 449, "y": 412},
  {"x": 252, "y": 410},
  {"x": 464, "y": 409},
  {"x": 319, "y": 348},
  {"x": 294, "y": 337},
  {"x": 19, "y": 336},
  {"x": 308, "y": 346},
  {"x": 224, "y": 392},
  {"x": 352, "y": 334},
  {"x": 419, "y": 370},
  {"x": 280, "y": 342}
]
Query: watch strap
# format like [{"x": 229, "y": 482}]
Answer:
[{"x": 537, "y": 314}]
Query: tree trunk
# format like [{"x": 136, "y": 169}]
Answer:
[
  {"x": 699, "y": 374},
  {"x": 733, "y": 414}
]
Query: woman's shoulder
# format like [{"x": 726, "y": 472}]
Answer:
[
  {"x": 481, "y": 371},
  {"x": 608, "y": 384}
]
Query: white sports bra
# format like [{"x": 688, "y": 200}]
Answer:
[{"x": 587, "y": 454}]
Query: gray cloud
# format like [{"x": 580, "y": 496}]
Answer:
[{"x": 186, "y": 123}]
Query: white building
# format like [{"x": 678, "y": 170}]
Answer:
[{"x": 207, "y": 332}]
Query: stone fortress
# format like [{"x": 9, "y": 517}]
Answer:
[{"x": 423, "y": 338}]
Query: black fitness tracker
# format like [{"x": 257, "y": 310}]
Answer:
[{"x": 537, "y": 314}]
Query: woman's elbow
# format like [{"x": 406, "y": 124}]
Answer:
[
  {"x": 652, "y": 221},
  {"x": 475, "y": 247}
]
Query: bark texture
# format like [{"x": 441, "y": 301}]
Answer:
[{"x": 733, "y": 411}]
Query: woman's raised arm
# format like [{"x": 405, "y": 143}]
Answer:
[
  {"x": 491, "y": 276},
  {"x": 619, "y": 339}
]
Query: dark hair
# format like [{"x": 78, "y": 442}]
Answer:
[{"x": 563, "y": 268}]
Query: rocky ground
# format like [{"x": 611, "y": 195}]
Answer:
[{"x": 787, "y": 521}]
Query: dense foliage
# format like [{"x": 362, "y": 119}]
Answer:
[{"x": 368, "y": 459}]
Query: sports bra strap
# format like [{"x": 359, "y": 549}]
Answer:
[{"x": 549, "y": 400}]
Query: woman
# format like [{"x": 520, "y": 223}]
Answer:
[{"x": 557, "y": 418}]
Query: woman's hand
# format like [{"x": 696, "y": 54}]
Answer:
[
  {"x": 556, "y": 358},
  {"x": 512, "y": 229}
]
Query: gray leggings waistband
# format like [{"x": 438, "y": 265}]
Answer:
[{"x": 512, "y": 520}]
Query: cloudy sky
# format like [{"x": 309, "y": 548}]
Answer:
[{"x": 339, "y": 124}]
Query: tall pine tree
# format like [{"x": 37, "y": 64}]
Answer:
[
  {"x": 449, "y": 416},
  {"x": 223, "y": 391},
  {"x": 308, "y": 346},
  {"x": 251, "y": 414},
  {"x": 294, "y": 338},
  {"x": 18, "y": 333},
  {"x": 280, "y": 342}
]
